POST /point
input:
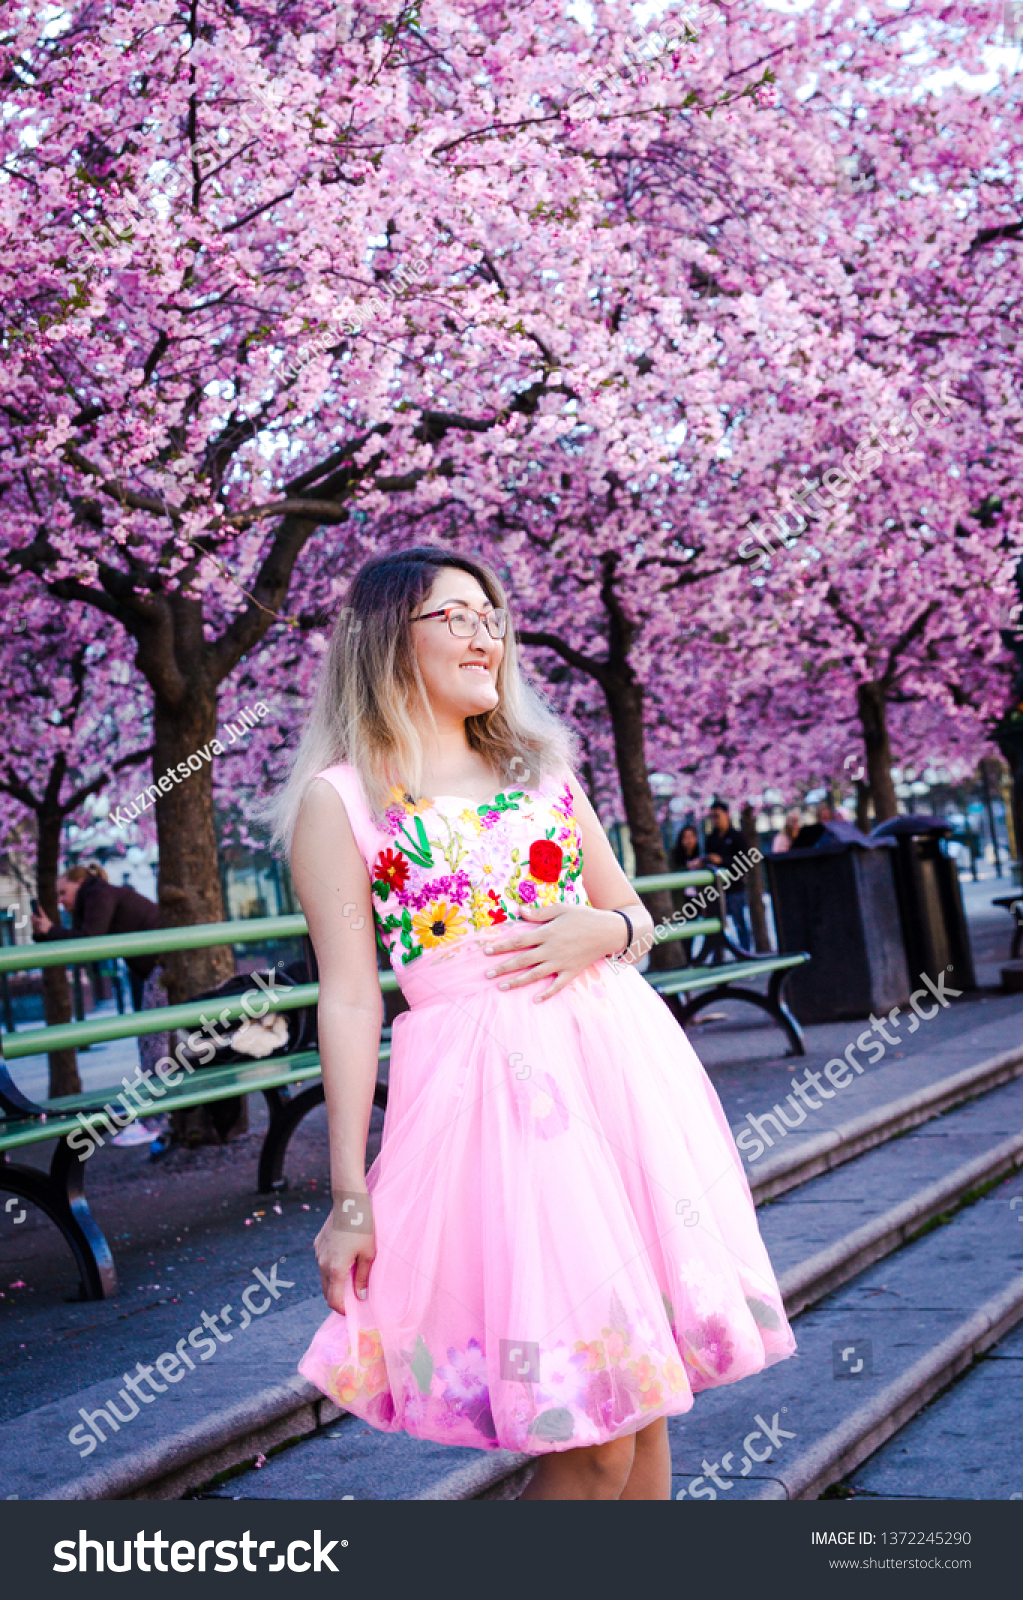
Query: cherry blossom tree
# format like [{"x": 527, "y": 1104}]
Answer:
[
  {"x": 75, "y": 723},
  {"x": 475, "y": 270}
]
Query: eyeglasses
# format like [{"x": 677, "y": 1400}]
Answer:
[{"x": 463, "y": 622}]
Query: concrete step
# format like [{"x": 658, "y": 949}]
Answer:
[
  {"x": 915, "y": 1321},
  {"x": 829, "y": 1229},
  {"x": 908, "y": 1095},
  {"x": 965, "y": 1445}
]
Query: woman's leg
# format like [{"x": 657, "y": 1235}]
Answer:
[
  {"x": 650, "y": 1478},
  {"x": 598, "y": 1472}
]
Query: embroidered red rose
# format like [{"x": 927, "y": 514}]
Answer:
[
  {"x": 545, "y": 859},
  {"x": 391, "y": 868}
]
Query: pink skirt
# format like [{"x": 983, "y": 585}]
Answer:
[{"x": 566, "y": 1244}]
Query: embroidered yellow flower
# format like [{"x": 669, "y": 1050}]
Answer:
[
  {"x": 438, "y": 923},
  {"x": 547, "y": 894},
  {"x": 473, "y": 818},
  {"x": 400, "y": 799},
  {"x": 675, "y": 1376},
  {"x": 482, "y": 905},
  {"x": 594, "y": 1352},
  {"x": 345, "y": 1384}
]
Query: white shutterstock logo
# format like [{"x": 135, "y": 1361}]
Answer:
[{"x": 857, "y": 766}]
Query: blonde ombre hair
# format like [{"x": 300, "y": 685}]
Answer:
[{"x": 371, "y": 703}]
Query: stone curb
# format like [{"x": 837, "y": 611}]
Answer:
[
  {"x": 873, "y": 1423},
  {"x": 469, "y": 1483},
  {"x": 238, "y": 1433},
  {"x": 812, "y": 1279},
  {"x": 850, "y": 1139}
]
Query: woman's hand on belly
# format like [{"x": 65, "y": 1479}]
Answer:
[{"x": 555, "y": 942}]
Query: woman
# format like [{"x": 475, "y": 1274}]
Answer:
[
  {"x": 556, "y": 1245},
  {"x": 783, "y": 839},
  {"x": 686, "y": 855}
]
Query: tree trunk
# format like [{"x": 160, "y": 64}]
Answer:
[
  {"x": 873, "y": 712},
  {"x": 190, "y": 890},
  {"x": 863, "y": 821},
  {"x": 755, "y": 879},
  {"x": 64, "y": 1077},
  {"x": 625, "y": 704}
]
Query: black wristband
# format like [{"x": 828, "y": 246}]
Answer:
[{"x": 628, "y": 924}]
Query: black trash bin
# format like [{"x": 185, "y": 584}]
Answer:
[
  {"x": 934, "y": 927},
  {"x": 838, "y": 901}
]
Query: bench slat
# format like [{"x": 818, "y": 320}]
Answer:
[
  {"x": 728, "y": 972},
  {"x": 78, "y": 952},
  {"x": 205, "y": 1085},
  {"x": 72, "y": 1035}
]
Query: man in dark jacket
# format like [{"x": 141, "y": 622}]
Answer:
[
  {"x": 98, "y": 908},
  {"x": 721, "y": 846}
]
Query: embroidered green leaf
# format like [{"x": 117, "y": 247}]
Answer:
[
  {"x": 381, "y": 887},
  {"x": 417, "y": 849},
  {"x": 422, "y": 1366},
  {"x": 503, "y": 802},
  {"x": 764, "y": 1315},
  {"x": 555, "y": 1424}
]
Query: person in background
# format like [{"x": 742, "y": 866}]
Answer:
[
  {"x": 782, "y": 840},
  {"x": 810, "y": 836},
  {"x": 98, "y": 907},
  {"x": 686, "y": 855},
  {"x": 723, "y": 844}
]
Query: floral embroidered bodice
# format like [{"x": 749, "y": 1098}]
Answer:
[{"x": 442, "y": 868}]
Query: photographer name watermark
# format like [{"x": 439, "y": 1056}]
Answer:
[{"x": 246, "y": 719}]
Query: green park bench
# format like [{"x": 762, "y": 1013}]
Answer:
[
  {"x": 60, "y": 1192},
  {"x": 1013, "y": 904}
]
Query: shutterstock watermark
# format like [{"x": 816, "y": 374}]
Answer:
[
  {"x": 640, "y": 55},
  {"x": 202, "y": 1042},
  {"x": 356, "y": 315},
  {"x": 839, "y": 1071},
  {"x": 175, "y": 1365},
  {"x": 768, "y": 1434},
  {"x": 858, "y": 463}
]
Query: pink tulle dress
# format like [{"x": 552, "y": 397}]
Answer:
[{"x": 566, "y": 1244}]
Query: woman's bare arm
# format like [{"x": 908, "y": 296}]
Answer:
[
  {"x": 603, "y": 879},
  {"x": 333, "y": 887}
]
